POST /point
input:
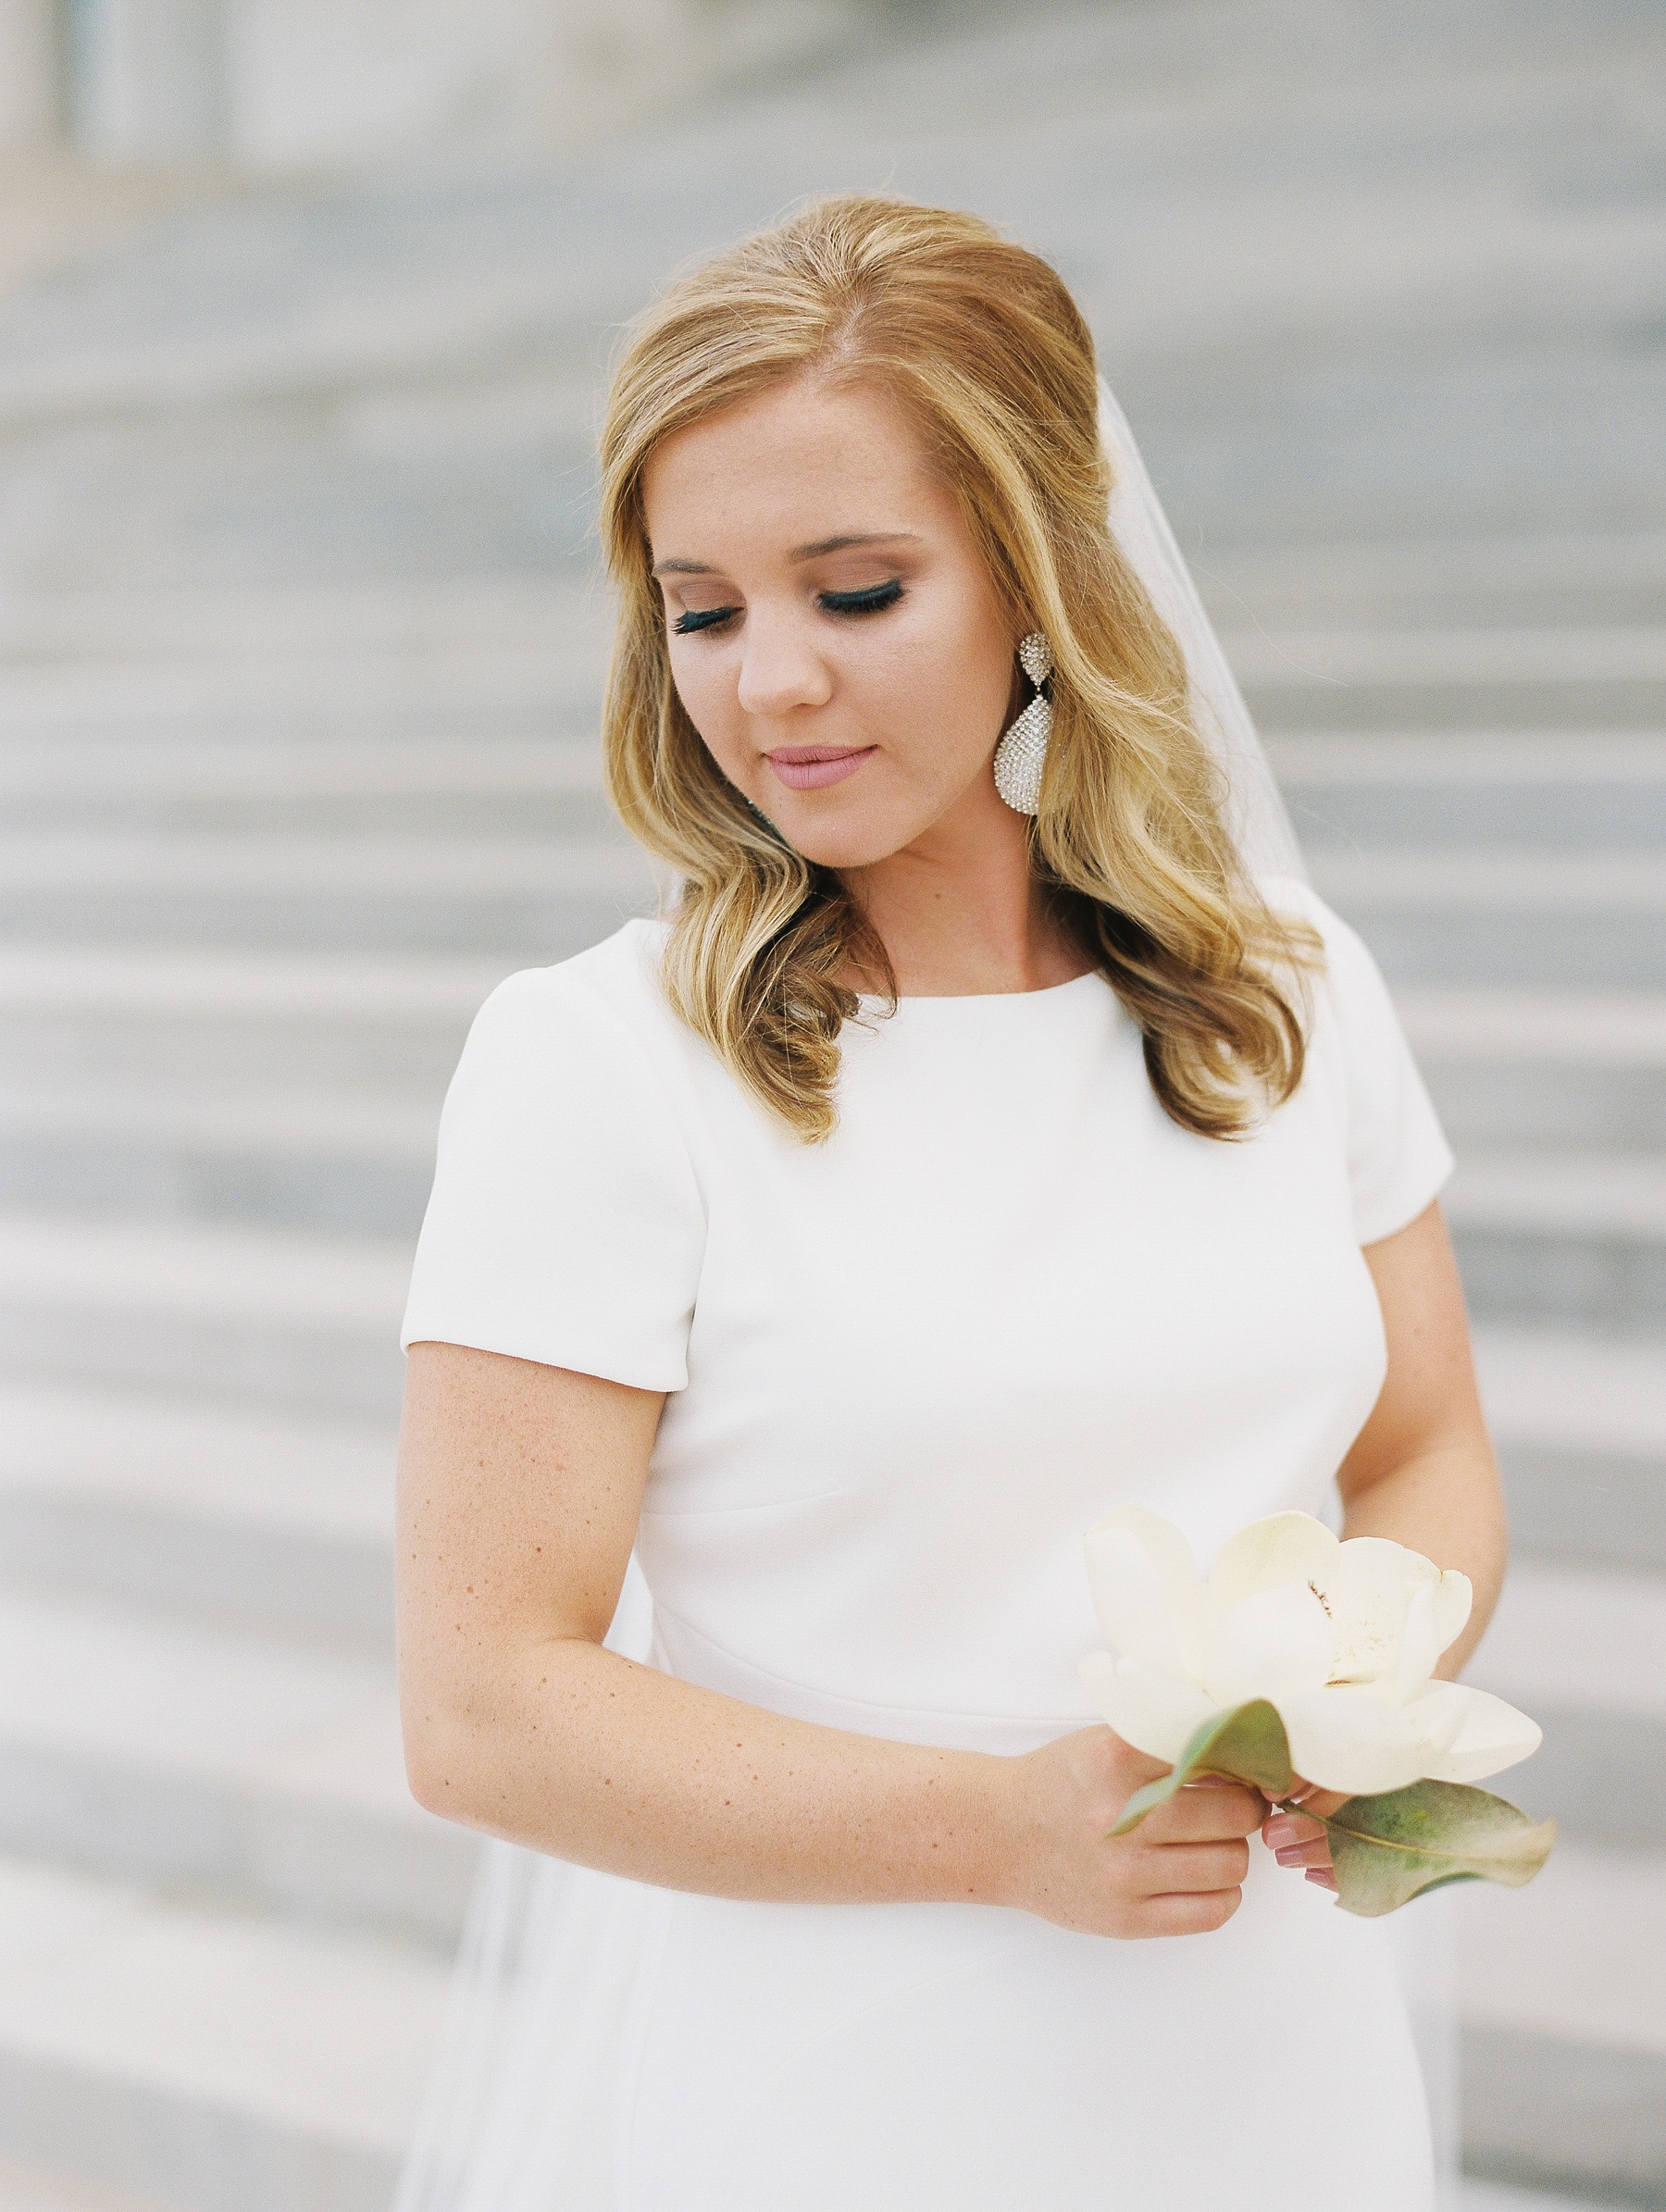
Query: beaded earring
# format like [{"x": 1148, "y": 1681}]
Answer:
[{"x": 1021, "y": 752}]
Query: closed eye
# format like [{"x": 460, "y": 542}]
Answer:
[
  {"x": 872, "y": 601},
  {"x": 697, "y": 619}
]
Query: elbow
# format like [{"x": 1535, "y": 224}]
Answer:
[{"x": 439, "y": 1764}]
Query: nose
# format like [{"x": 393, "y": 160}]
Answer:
[{"x": 780, "y": 668}]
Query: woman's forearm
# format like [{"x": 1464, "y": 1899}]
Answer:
[
  {"x": 594, "y": 1759},
  {"x": 1422, "y": 1471},
  {"x": 587, "y": 1755},
  {"x": 519, "y": 1493}
]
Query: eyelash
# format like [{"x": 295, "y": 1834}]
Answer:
[{"x": 874, "y": 601}]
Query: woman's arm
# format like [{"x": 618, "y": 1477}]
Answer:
[
  {"x": 1422, "y": 1470},
  {"x": 520, "y": 1487}
]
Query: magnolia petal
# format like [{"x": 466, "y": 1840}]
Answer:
[
  {"x": 1368, "y": 1589},
  {"x": 1146, "y": 1589},
  {"x": 1489, "y": 1736},
  {"x": 1272, "y": 1644},
  {"x": 1285, "y": 1547},
  {"x": 1155, "y": 1710},
  {"x": 1347, "y": 1739},
  {"x": 1454, "y": 1596},
  {"x": 1420, "y": 1649}
]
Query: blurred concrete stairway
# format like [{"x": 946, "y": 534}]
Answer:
[
  {"x": 298, "y": 684},
  {"x": 1478, "y": 770},
  {"x": 229, "y": 997}
]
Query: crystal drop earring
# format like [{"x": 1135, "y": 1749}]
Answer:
[{"x": 1021, "y": 752}]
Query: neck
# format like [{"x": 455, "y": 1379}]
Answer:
[{"x": 959, "y": 913}]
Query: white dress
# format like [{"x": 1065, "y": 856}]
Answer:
[{"x": 907, "y": 1370}]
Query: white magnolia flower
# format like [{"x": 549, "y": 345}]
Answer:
[{"x": 1341, "y": 1638}]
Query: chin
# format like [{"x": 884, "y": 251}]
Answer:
[{"x": 852, "y": 844}]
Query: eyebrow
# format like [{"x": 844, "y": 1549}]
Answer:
[
  {"x": 802, "y": 552},
  {"x": 831, "y": 545}
]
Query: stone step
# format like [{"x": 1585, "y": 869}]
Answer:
[
  {"x": 347, "y": 1166},
  {"x": 1329, "y": 658},
  {"x": 1498, "y": 915},
  {"x": 1510, "y": 1065},
  {"x": 1564, "y": 2027},
  {"x": 189, "y": 1020},
  {"x": 547, "y": 677},
  {"x": 1498, "y": 2196},
  {"x": 1583, "y": 1649},
  {"x": 231, "y": 1312},
  {"x": 205, "y": 2060},
  {"x": 1612, "y": 579},
  {"x": 1371, "y": 679},
  {"x": 531, "y": 900},
  {"x": 413, "y": 619},
  {"x": 217, "y": 1762},
  {"x": 271, "y": 1519},
  {"x": 468, "y": 786},
  {"x": 1568, "y": 792},
  {"x": 1580, "y": 1425},
  {"x": 1565, "y": 1239}
]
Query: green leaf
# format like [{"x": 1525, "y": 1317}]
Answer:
[
  {"x": 1247, "y": 1744},
  {"x": 1389, "y": 1849}
]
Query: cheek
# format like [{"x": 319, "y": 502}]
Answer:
[
  {"x": 950, "y": 694},
  {"x": 705, "y": 683}
]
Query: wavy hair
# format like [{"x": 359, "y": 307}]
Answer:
[{"x": 983, "y": 345}]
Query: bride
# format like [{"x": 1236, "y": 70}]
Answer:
[{"x": 998, "y": 1130}]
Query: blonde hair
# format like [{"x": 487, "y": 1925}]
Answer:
[{"x": 983, "y": 343}]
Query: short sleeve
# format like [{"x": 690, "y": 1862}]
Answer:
[
  {"x": 566, "y": 1223},
  {"x": 1397, "y": 1155}
]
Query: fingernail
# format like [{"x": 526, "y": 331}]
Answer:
[
  {"x": 1279, "y": 1832},
  {"x": 1291, "y": 1858},
  {"x": 1325, "y": 1879}
]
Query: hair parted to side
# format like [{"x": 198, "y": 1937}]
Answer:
[{"x": 983, "y": 343}]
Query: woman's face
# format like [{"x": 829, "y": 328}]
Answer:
[{"x": 834, "y": 633}]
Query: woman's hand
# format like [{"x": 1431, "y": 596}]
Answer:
[{"x": 1179, "y": 1874}]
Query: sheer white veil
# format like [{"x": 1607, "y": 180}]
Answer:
[
  {"x": 1261, "y": 825},
  {"x": 526, "y": 2029}
]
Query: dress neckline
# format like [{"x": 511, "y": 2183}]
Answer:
[{"x": 1049, "y": 991}]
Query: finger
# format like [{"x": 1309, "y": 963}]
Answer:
[
  {"x": 1287, "y": 1830},
  {"x": 1305, "y": 1855},
  {"x": 1324, "y": 1877},
  {"x": 1310, "y": 1796},
  {"x": 1176, "y": 1869},
  {"x": 1188, "y": 1913},
  {"x": 1208, "y": 1812}
]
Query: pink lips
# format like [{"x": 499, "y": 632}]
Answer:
[{"x": 813, "y": 768}]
